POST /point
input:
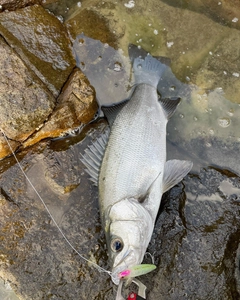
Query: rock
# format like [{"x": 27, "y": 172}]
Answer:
[
  {"x": 6, "y": 291},
  {"x": 13, "y": 4},
  {"x": 196, "y": 239},
  {"x": 25, "y": 101},
  {"x": 4, "y": 147},
  {"x": 221, "y": 69},
  {"x": 76, "y": 106},
  {"x": 35, "y": 259},
  {"x": 41, "y": 41}
]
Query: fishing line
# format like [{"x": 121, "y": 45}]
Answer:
[{"x": 100, "y": 269}]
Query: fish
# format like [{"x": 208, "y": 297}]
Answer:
[{"x": 128, "y": 164}]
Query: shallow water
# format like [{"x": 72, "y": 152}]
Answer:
[{"x": 198, "y": 217}]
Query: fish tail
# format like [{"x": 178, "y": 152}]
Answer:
[{"x": 148, "y": 70}]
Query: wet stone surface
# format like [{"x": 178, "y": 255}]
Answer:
[
  {"x": 13, "y": 4},
  {"x": 35, "y": 259},
  {"x": 76, "y": 106},
  {"x": 41, "y": 41},
  {"x": 25, "y": 101},
  {"x": 196, "y": 239},
  {"x": 36, "y": 61},
  {"x": 224, "y": 12}
]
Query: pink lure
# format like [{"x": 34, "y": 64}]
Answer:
[{"x": 137, "y": 271}]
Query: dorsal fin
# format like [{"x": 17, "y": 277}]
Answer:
[
  {"x": 112, "y": 111},
  {"x": 169, "y": 105},
  {"x": 92, "y": 158}
]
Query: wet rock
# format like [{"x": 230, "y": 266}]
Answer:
[
  {"x": 4, "y": 147},
  {"x": 76, "y": 106},
  {"x": 35, "y": 259},
  {"x": 25, "y": 101},
  {"x": 196, "y": 239},
  {"x": 41, "y": 41},
  {"x": 13, "y": 4}
]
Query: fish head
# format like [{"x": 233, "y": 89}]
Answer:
[{"x": 129, "y": 233}]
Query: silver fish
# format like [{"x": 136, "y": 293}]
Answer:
[{"x": 128, "y": 163}]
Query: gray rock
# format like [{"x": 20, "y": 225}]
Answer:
[
  {"x": 197, "y": 238},
  {"x": 35, "y": 259}
]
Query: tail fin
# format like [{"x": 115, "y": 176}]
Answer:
[{"x": 148, "y": 70}]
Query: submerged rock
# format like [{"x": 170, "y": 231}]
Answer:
[
  {"x": 225, "y": 12},
  {"x": 92, "y": 23},
  {"x": 202, "y": 51}
]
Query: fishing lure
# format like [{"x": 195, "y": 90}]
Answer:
[{"x": 137, "y": 270}]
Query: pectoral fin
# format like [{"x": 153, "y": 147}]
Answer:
[{"x": 174, "y": 171}]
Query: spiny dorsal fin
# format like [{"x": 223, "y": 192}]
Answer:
[
  {"x": 174, "y": 171},
  {"x": 112, "y": 111},
  {"x": 169, "y": 105},
  {"x": 92, "y": 158}
]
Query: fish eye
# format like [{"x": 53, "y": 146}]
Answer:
[{"x": 117, "y": 245}]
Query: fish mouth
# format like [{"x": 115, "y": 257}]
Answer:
[{"x": 128, "y": 260}]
